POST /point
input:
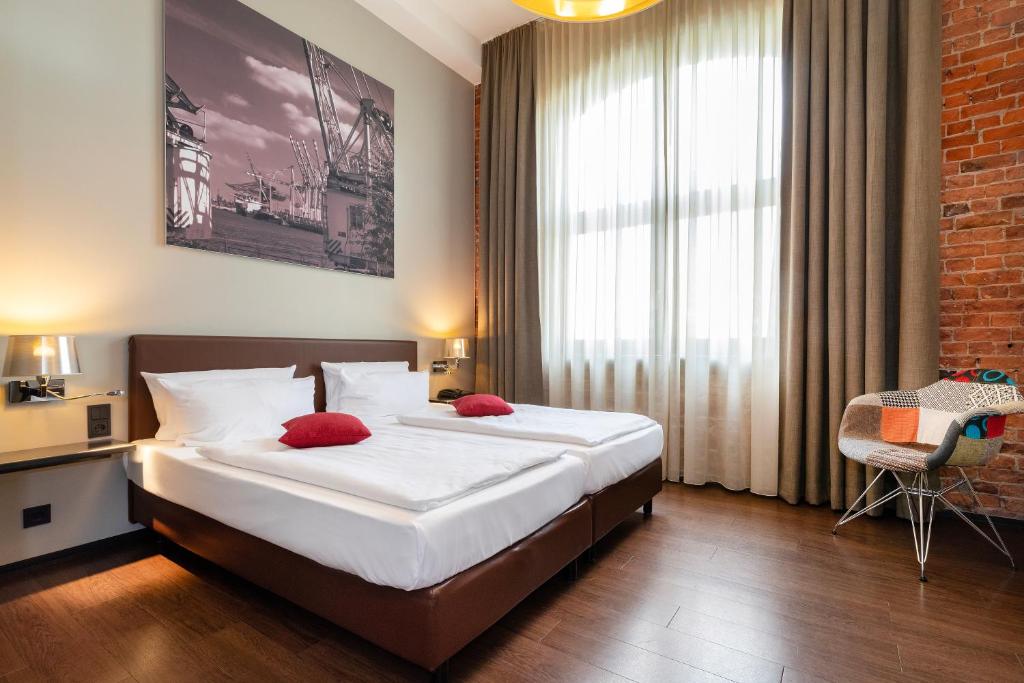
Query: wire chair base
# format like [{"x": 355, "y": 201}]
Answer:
[{"x": 919, "y": 496}]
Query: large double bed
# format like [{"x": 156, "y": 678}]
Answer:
[{"x": 421, "y": 583}]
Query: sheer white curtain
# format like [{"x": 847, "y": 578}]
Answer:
[{"x": 658, "y": 143}]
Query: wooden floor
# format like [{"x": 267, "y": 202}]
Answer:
[{"x": 717, "y": 586}]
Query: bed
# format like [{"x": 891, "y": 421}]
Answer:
[
  {"x": 423, "y": 608},
  {"x": 623, "y": 473},
  {"x": 380, "y": 543},
  {"x": 425, "y": 625}
]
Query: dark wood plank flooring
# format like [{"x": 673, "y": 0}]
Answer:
[{"x": 717, "y": 586}]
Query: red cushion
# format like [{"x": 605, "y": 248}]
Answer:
[
  {"x": 324, "y": 429},
  {"x": 481, "y": 405}
]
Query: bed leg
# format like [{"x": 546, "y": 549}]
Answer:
[
  {"x": 440, "y": 674},
  {"x": 648, "y": 509},
  {"x": 572, "y": 572},
  {"x": 592, "y": 554},
  {"x": 131, "y": 505}
]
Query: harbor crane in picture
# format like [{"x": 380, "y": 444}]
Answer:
[
  {"x": 352, "y": 151},
  {"x": 311, "y": 202},
  {"x": 359, "y": 165}
]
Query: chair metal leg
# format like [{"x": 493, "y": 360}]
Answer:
[
  {"x": 922, "y": 520},
  {"x": 851, "y": 515},
  {"x": 910, "y": 511},
  {"x": 920, "y": 527},
  {"x": 925, "y": 527},
  {"x": 996, "y": 542}
]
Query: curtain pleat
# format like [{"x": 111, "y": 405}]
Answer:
[
  {"x": 658, "y": 140},
  {"x": 508, "y": 345},
  {"x": 860, "y": 202}
]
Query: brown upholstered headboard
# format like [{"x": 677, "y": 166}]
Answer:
[{"x": 173, "y": 353}]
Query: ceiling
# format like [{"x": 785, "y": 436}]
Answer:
[
  {"x": 451, "y": 30},
  {"x": 486, "y": 19}
]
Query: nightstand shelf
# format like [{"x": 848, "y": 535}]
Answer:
[{"x": 64, "y": 454}]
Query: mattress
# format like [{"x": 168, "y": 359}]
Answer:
[
  {"x": 380, "y": 543},
  {"x": 615, "y": 460}
]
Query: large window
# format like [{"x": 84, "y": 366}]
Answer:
[{"x": 658, "y": 149}]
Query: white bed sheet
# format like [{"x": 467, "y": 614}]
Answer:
[
  {"x": 539, "y": 423},
  {"x": 380, "y": 543},
  {"x": 607, "y": 463},
  {"x": 615, "y": 460}
]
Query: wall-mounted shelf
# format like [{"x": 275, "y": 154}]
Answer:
[{"x": 64, "y": 454}]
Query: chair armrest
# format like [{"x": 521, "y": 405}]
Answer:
[{"x": 945, "y": 450}]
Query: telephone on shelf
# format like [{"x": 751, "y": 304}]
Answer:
[{"x": 451, "y": 394}]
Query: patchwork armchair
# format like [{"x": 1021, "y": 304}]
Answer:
[{"x": 956, "y": 422}]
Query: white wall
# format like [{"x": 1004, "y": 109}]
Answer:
[{"x": 81, "y": 227}]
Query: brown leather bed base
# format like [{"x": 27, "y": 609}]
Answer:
[
  {"x": 425, "y": 626},
  {"x": 614, "y": 503}
]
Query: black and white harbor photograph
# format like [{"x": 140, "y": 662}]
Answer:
[{"x": 275, "y": 148}]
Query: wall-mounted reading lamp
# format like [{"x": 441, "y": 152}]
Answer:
[
  {"x": 454, "y": 353},
  {"x": 42, "y": 357}
]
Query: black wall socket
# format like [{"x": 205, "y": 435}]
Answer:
[
  {"x": 34, "y": 516},
  {"x": 99, "y": 420}
]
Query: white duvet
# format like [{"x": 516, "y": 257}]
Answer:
[
  {"x": 414, "y": 469},
  {"x": 562, "y": 425},
  {"x": 383, "y": 544}
]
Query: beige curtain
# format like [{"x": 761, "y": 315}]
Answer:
[
  {"x": 508, "y": 322},
  {"x": 860, "y": 215},
  {"x": 659, "y": 151}
]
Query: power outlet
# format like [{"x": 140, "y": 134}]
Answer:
[
  {"x": 99, "y": 420},
  {"x": 34, "y": 516}
]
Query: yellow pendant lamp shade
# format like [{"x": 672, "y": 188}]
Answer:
[{"x": 585, "y": 10}]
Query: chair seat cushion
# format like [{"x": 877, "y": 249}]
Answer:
[{"x": 898, "y": 459}]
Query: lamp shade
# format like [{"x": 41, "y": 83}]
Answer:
[
  {"x": 33, "y": 356},
  {"x": 455, "y": 348},
  {"x": 585, "y": 10}
]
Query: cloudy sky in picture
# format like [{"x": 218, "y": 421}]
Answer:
[{"x": 250, "y": 76}]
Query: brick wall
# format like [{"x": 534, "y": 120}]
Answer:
[{"x": 982, "y": 230}]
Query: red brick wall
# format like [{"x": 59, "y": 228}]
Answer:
[{"x": 982, "y": 231}]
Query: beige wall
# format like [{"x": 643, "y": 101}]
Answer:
[{"x": 81, "y": 226}]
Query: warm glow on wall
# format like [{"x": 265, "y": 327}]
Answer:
[
  {"x": 70, "y": 296},
  {"x": 585, "y": 10}
]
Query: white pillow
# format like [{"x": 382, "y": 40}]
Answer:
[
  {"x": 169, "y": 428},
  {"x": 381, "y": 394},
  {"x": 332, "y": 374},
  {"x": 236, "y": 410}
]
